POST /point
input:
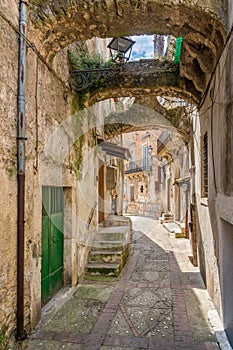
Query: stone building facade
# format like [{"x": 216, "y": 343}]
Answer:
[
  {"x": 157, "y": 178},
  {"x": 60, "y": 139},
  {"x": 143, "y": 183}
]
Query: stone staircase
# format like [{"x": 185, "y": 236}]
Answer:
[
  {"x": 166, "y": 217},
  {"x": 110, "y": 248},
  {"x": 174, "y": 227}
]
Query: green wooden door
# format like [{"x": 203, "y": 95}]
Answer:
[{"x": 52, "y": 242}]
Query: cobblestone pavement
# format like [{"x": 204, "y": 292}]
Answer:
[{"x": 159, "y": 302}]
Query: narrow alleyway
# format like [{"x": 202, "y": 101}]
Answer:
[{"x": 159, "y": 303}]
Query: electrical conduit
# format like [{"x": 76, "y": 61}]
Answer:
[{"x": 21, "y": 170}]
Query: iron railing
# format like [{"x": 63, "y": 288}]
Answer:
[
  {"x": 138, "y": 166},
  {"x": 82, "y": 79}
]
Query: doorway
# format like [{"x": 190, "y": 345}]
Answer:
[
  {"x": 101, "y": 189},
  {"x": 227, "y": 278},
  {"x": 52, "y": 241}
]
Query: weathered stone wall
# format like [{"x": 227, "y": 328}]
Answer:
[
  {"x": 147, "y": 77},
  {"x": 65, "y": 21},
  {"x": 229, "y": 6},
  {"x": 216, "y": 119},
  {"x": 60, "y": 151},
  {"x": 60, "y": 23},
  {"x": 179, "y": 181}
]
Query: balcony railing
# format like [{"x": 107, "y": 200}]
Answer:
[{"x": 138, "y": 166}]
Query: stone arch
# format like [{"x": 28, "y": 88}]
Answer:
[
  {"x": 147, "y": 114},
  {"x": 65, "y": 21},
  {"x": 199, "y": 22},
  {"x": 145, "y": 78}
]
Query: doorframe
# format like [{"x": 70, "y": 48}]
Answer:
[
  {"x": 101, "y": 190},
  {"x": 226, "y": 261},
  {"x": 62, "y": 231}
]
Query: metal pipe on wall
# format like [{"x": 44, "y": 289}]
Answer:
[{"x": 21, "y": 124}]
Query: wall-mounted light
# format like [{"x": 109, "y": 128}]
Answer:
[{"x": 119, "y": 47}]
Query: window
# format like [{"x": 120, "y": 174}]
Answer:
[
  {"x": 132, "y": 159},
  {"x": 131, "y": 193},
  {"x": 205, "y": 166},
  {"x": 145, "y": 157},
  {"x": 141, "y": 189}
]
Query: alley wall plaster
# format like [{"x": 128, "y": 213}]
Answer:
[
  {"x": 216, "y": 119},
  {"x": 53, "y": 127},
  {"x": 61, "y": 150}
]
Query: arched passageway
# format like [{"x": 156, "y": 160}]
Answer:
[
  {"x": 147, "y": 114},
  {"x": 201, "y": 24},
  {"x": 146, "y": 77}
]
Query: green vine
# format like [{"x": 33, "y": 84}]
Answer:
[{"x": 80, "y": 60}]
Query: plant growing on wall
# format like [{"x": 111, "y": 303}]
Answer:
[{"x": 80, "y": 60}]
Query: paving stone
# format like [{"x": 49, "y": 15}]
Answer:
[
  {"x": 119, "y": 325},
  {"x": 76, "y": 315},
  {"x": 94, "y": 291},
  {"x": 53, "y": 345},
  {"x": 115, "y": 348},
  {"x": 159, "y": 302}
]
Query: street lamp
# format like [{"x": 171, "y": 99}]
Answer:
[{"x": 119, "y": 47}]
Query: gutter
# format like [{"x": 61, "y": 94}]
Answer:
[{"x": 21, "y": 124}]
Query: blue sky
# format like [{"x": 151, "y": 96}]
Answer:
[{"x": 143, "y": 48}]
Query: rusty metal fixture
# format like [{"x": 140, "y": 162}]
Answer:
[
  {"x": 20, "y": 276},
  {"x": 82, "y": 79},
  {"x": 21, "y": 124}
]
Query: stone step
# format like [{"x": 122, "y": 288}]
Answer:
[
  {"x": 106, "y": 269},
  {"x": 107, "y": 256},
  {"x": 108, "y": 245},
  {"x": 117, "y": 220},
  {"x": 168, "y": 220},
  {"x": 112, "y": 229},
  {"x": 110, "y": 248},
  {"x": 108, "y": 236},
  {"x": 168, "y": 216},
  {"x": 112, "y": 233}
]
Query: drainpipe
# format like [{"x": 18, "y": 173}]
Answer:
[{"x": 21, "y": 171}]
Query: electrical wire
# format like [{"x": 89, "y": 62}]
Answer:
[
  {"x": 32, "y": 46},
  {"x": 222, "y": 73},
  {"x": 214, "y": 70},
  {"x": 36, "y": 117}
]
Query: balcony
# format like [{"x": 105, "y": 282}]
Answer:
[{"x": 140, "y": 165}]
